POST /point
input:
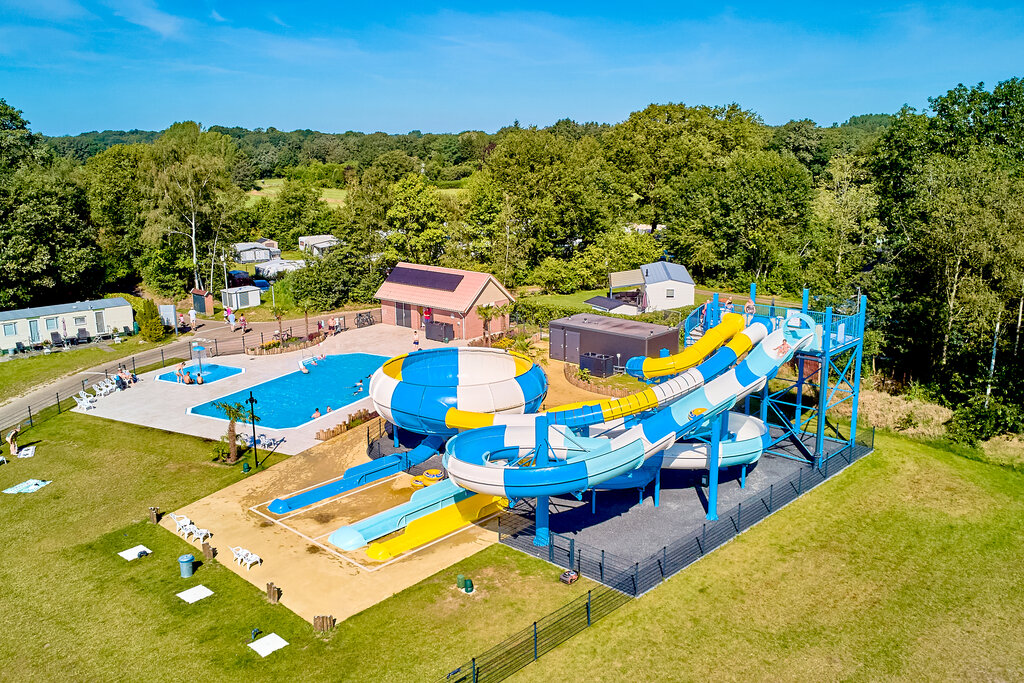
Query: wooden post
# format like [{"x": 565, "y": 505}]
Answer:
[
  {"x": 154, "y": 514},
  {"x": 324, "y": 623},
  {"x": 273, "y": 593},
  {"x": 207, "y": 550}
]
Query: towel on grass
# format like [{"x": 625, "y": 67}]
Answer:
[
  {"x": 30, "y": 486},
  {"x": 133, "y": 553},
  {"x": 267, "y": 644},
  {"x": 27, "y": 452},
  {"x": 195, "y": 594}
]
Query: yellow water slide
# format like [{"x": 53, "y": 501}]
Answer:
[
  {"x": 609, "y": 409},
  {"x": 437, "y": 524},
  {"x": 731, "y": 325}
]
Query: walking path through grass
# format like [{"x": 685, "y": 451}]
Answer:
[{"x": 905, "y": 567}]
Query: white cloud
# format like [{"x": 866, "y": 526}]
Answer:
[
  {"x": 145, "y": 13},
  {"x": 216, "y": 16}
]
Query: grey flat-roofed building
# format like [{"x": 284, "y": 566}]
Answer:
[{"x": 622, "y": 339}]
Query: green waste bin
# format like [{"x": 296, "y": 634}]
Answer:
[
  {"x": 185, "y": 562},
  {"x": 460, "y": 581},
  {"x": 469, "y": 585}
]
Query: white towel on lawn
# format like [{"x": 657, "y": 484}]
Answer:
[
  {"x": 27, "y": 452},
  {"x": 133, "y": 553},
  {"x": 195, "y": 594},
  {"x": 267, "y": 644}
]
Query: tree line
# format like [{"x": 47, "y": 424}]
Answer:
[{"x": 920, "y": 210}]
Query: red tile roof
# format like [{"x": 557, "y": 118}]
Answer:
[{"x": 462, "y": 299}]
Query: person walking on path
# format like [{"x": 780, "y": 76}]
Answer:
[
  {"x": 243, "y": 322},
  {"x": 192, "y": 318}
]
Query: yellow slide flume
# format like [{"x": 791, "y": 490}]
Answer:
[
  {"x": 437, "y": 524},
  {"x": 731, "y": 325}
]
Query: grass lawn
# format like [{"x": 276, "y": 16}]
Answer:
[
  {"x": 271, "y": 187},
  {"x": 905, "y": 567},
  {"x": 73, "y": 608},
  {"x": 19, "y": 375}
]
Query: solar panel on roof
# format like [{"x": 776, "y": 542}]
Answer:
[{"x": 431, "y": 279}]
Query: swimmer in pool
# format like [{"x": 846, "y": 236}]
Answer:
[{"x": 316, "y": 413}]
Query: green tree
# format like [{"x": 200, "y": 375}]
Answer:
[
  {"x": 235, "y": 412},
  {"x": 151, "y": 328},
  {"x": 189, "y": 175},
  {"x": 117, "y": 205}
]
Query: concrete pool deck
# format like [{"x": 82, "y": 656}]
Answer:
[{"x": 164, "y": 405}]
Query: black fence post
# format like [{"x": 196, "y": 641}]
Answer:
[
  {"x": 243, "y": 341},
  {"x": 739, "y": 517},
  {"x": 636, "y": 578},
  {"x": 535, "y": 641},
  {"x": 800, "y": 482},
  {"x": 161, "y": 358},
  {"x": 704, "y": 537},
  {"x": 602, "y": 564},
  {"x": 133, "y": 365},
  {"x": 588, "y": 606},
  {"x": 474, "y": 669},
  {"x": 572, "y": 551},
  {"x": 58, "y": 403},
  {"x": 30, "y": 422},
  {"x": 83, "y": 385},
  {"x": 551, "y": 548},
  {"x": 771, "y": 495},
  {"x": 215, "y": 351}
]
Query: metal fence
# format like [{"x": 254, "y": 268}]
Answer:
[{"x": 623, "y": 579}]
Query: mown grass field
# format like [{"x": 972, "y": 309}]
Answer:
[
  {"x": 21, "y": 374},
  {"x": 905, "y": 567},
  {"x": 75, "y": 610}
]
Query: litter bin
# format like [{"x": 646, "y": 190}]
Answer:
[
  {"x": 460, "y": 581},
  {"x": 185, "y": 561},
  {"x": 469, "y": 586}
]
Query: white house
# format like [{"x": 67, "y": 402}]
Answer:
[
  {"x": 317, "y": 244},
  {"x": 666, "y": 285},
  {"x": 655, "y": 286},
  {"x": 255, "y": 252},
  {"x": 33, "y": 326},
  {"x": 246, "y": 296},
  {"x": 275, "y": 268}
]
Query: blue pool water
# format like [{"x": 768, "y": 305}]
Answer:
[
  {"x": 211, "y": 372},
  {"x": 289, "y": 401}
]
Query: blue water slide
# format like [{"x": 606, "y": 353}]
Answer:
[
  {"x": 423, "y": 502},
  {"x": 502, "y": 459},
  {"x": 359, "y": 475}
]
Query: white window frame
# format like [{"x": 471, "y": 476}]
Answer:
[
  {"x": 49, "y": 322},
  {"x": 11, "y": 329},
  {"x": 670, "y": 293},
  {"x": 80, "y": 321}
]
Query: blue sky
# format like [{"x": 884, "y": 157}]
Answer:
[{"x": 336, "y": 66}]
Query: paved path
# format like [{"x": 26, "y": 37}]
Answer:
[{"x": 16, "y": 409}]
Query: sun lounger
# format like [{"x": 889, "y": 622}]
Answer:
[
  {"x": 101, "y": 390},
  {"x": 181, "y": 521},
  {"x": 250, "y": 559},
  {"x": 86, "y": 397},
  {"x": 84, "y": 404}
]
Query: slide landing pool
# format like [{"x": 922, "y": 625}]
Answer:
[{"x": 288, "y": 401}]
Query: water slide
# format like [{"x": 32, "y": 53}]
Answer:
[
  {"x": 499, "y": 459},
  {"x": 594, "y": 412},
  {"x": 437, "y": 524},
  {"x": 423, "y": 502},
  {"x": 648, "y": 368}
]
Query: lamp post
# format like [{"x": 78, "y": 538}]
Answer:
[
  {"x": 224, "y": 264},
  {"x": 252, "y": 419}
]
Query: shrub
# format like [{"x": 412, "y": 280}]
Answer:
[
  {"x": 974, "y": 422},
  {"x": 151, "y": 328}
]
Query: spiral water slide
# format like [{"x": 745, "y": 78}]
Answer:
[{"x": 501, "y": 459}]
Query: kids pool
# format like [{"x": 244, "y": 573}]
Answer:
[
  {"x": 289, "y": 401},
  {"x": 211, "y": 372}
]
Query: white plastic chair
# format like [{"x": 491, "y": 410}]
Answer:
[
  {"x": 85, "y": 404},
  {"x": 200, "y": 534},
  {"x": 240, "y": 553},
  {"x": 86, "y": 397},
  {"x": 250, "y": 559},
  {"x": 181, "y": 521}
]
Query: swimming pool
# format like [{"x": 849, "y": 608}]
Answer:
[
  {"x": 289, "y": 401},
  {"x": 211, "y": 372}
]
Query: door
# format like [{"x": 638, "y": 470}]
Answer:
[
  {"x": 403, "y": 316},
  {"x": 572, "y": 346},
  {"x": 100, "y": 327},
  {"x": 556, "y": 343},
  {"x": 33, "y": 331}
]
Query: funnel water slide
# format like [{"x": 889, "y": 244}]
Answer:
[{"x": 501, "y": 459}]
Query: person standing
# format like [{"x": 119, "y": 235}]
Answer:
[
  {"x": 244, "y": 322},
  {"x": 12, "y": 441},
  {"x": 231, "y": 319},
  {"x": 415, "y": 340},
  {"x": 192, "y": 318},
  {"x": 749, "y": 309}
]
